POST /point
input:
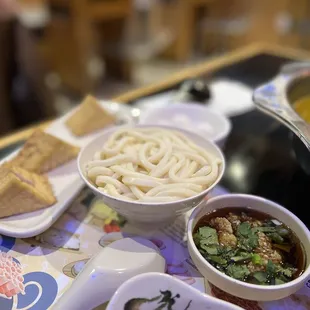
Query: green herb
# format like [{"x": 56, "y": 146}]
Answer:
[
  {"x": 197, "y": 238},
  {"x": 248, "y": 239},
  {"x": 275, "y": 233},
  {"x": 218, "y": 260},
  {"x": 270, "y": 269},
  {"x": 244, "y": 229},
  {"x": 228, "y": 252},
  {"x": 207, "y": 236},
  {"x": 269, "y": 223},
  {"x": 233, "y": 260},
  {"x": 210, "y": 249},
  {"x": 275, "y": 237},
  {"x": 277, "y": 273},
  {"x": 242, "y": 258},
  {"x": 279, "y": 281},
  {"x": 265, "y": 229},
  {"x": 256, "y": 259},
  {"x": 249, "y": 243},
  {"x": 286, "y": 271},
  {"x": 260, "y": 276},
  {"x": 239, "y": 272},
  {"x": 206, "y": 240}
]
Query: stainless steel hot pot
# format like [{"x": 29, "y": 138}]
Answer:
[{"x": 276, "y": 98}]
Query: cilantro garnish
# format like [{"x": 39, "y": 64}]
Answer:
[
  {"x": 218, "y": 260},
  {"x": 260, "y": 277},
  {"x": 239, "y": 272},
  {"x": 244, "y": 229},
  {"x": 248, "y": 239},
  {"x": 242, "y": 257},
  {"x": 270, "y": 268},
  {"x": 210, "y": 249},
  {"x": 256, "y": 259},
  {"x": 206, "y": 235},
  {"x": 206, "y": 240},
  {"x": 275, "y": 237}
]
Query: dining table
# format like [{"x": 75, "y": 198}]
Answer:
[{"x": 259, "y": 161}]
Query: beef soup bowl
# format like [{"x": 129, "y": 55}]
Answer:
[
  {"x": 250, "y": 277},
  {"x": 149, "y": 214}
]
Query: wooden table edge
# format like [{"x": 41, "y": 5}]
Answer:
[{"x": 206, "y": 67}]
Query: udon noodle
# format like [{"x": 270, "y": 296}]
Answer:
[{"x": 152, "y": 165}]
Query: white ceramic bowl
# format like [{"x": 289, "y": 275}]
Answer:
[
  {"x": 148, "y": 215},
  {"x": 236, "y": 287},
  {"x": 146, "y": 292},
  {"x": 193, "y": 117}
]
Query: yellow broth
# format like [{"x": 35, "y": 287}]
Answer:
[{"x": 302, "y": 107}]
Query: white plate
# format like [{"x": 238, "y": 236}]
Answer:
[
  {"x": 65, "y": 180},
  {"x": 229, "y": 97}
]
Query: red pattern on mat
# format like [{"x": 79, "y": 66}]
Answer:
[
  {"x": 245, "y": 304},
  {"x": 11, "y": 279}
]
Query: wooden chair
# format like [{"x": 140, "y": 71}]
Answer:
[
  {"x": 74, "y": 36},
  {"x": 24, "y": 96},
  {"x": 181, "y": 17},
  {"x": 266, "y": 22}
]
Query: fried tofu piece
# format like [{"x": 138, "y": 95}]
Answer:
[
  {"x": 234, "y": 220},
  {"x": 227, "y": 239},
  {"x": 22, "y": 191},
  {"x": 43, "y": 152},
  {"x": 221, "y": 224},
  {"x": 89, "y": 117}
]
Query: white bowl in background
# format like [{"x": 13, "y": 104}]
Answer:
[
  {"x": 231, "y": 285},
  {"x": 146, "y": 292},
  {"x": 193, "y": 117},
  {"x": 143, "y": 214}
]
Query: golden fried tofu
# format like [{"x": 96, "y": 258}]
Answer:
[
  {"x": 89, "y": 117},
  {"x": 43, "y": 152},
  {"x": 221, "y": 224},
  {"x": 22, "y": 191},
  {"x": 227, "y": 239}
]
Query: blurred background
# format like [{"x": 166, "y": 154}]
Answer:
[{"x": 54, "y": 52}]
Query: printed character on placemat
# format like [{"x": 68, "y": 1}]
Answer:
[
  {"x": 165, "y": 300},
  {"x": 72, "y": 269},
  {"x": 34, "y": 290}
]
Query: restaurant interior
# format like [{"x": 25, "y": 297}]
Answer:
[
  {"x": 55, "y": 52},
  {"x": 160, "y": 144}
]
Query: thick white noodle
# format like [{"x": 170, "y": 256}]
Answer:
[{"x": 152, "y": 165}]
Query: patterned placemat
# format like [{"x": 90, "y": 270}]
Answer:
[{"x": 35, "y": 272}]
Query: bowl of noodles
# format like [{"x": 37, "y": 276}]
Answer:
[{"x": 151, "y": 174}]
